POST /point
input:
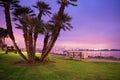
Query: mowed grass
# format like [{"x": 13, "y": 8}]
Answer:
[{"x": 62, "y": 69}]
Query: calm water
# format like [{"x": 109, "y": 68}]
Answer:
[{"x": 115, "y": 54}]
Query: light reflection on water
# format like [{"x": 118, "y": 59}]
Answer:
[{"x": 115, "y": 54}]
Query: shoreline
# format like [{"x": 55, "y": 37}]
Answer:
[{"x": 95, "y": 59}]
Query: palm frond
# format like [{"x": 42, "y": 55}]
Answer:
[
  {"x": 18, "y": 26},
  {"x": 69, "y": 25},
  {"x": 72, "y": 4},
  {"x": 73, "y": 0},
  {"x": 64, "y": 21},
  {"x": 14, "y": 19},
  {"x": 68, "y": 28},
  {"x": 34, "y": 6},
  {"x": 12, "y": 3},
  {"x": 67, "y": 2},
  {"x": 43, "y": 8},
  {"x": 19, "y": 11},
  {"x": 58, "y": 1}
]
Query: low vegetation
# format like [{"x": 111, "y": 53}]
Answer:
[{"x": 60, "y": 69}]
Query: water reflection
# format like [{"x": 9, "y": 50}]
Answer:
[{"x": 115, "y": 54}]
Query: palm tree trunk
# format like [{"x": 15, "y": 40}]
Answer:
[
  {"x": 61, "y": 10},
  {"x": 45, "y": 42},
  {"x": 55, "y": 34},
  {"x": 19, "y": 51},
  {"x": 1, "y": 43},
  {"x": 40, "y": 15},
  {"x": 31, "y": 49},
  {"x": 36, "y": 33},
  {"x": 8, "y": 22},
  {"x": 50, "y": 46},
  {"x": 35, "y": 40},
  {"x": 26, "y": 41},
  {"x": 10, "y": 31}
]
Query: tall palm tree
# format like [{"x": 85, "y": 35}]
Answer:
[
  {"x": 22, "y": 14},
  {"x": 50, "y": 26},
  {"x": 58, "y": 23},
  {"x": 44, "y": 9},
  {"x": 65, "y": 25},
  {"x": 19, "y": 14},
  {"x": 7, "y": 5}
]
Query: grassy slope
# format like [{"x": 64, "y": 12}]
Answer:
[{"x": 61, "y": 70}]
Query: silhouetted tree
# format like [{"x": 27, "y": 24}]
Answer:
[
  {"x": 44, "y": 9},
  {"x": 32, "y": 25},
  {"x": 58, "y": 26},
  {"x": 7, "y": 5},
  {"x": 28, "y": 23}
]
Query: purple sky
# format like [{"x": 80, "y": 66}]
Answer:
[{"x": 96, "y": 24}]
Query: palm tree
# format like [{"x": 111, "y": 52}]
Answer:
[
  {"x": 58, "y": 26},
  {"x": 65, "y": 25},
  {"x": 10, "y": 4},
  {"x": 44, "y": 9},
  {"x": 21, "y": 14},
  {"x": 34, "y": 23},
  {"x": 50, "y": 26},
  {"x": 28, "y": 23}
]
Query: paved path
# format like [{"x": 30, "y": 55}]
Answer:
[{"x": 100, "y": 60}]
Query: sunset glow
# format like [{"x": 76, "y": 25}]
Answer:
[{"x": 96, "y": 25}]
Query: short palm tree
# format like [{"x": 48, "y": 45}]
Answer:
[{"x": 28, "y": 23}]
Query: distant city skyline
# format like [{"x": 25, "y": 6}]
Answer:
[{"x": 96, "y": 25}]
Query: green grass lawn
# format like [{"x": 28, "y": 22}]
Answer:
[{"x": 62, "y": 69}]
